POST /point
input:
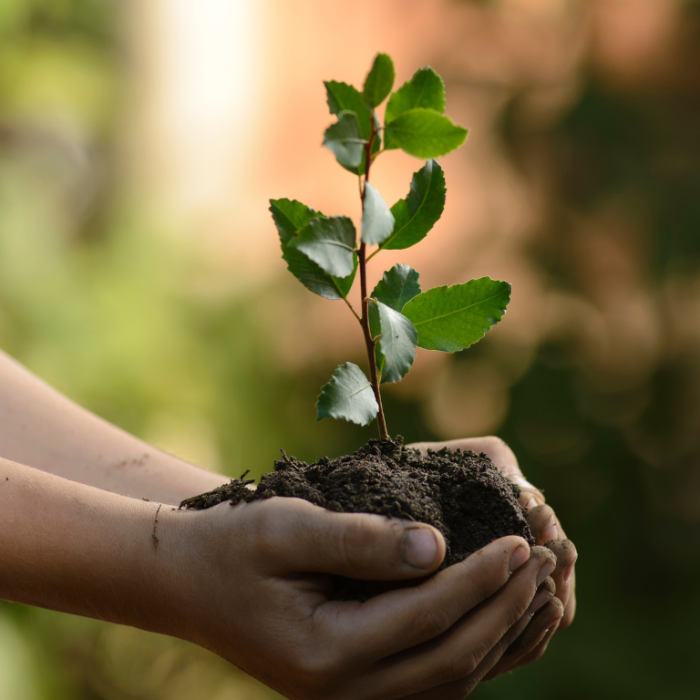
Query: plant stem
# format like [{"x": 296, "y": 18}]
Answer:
[
  {"x": 352, "y": 308},
  {"x": 371, "y": 255},
  {"x": 370, "y": 343}
]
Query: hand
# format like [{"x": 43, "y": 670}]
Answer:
[
  {"x": 253, "y": 586},
  {"x": 559, "y": 612}
]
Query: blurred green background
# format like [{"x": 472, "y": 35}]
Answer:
[{"x": 138, "y": 308}]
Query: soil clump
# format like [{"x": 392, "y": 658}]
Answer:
[{"x": 459, "y": 492}]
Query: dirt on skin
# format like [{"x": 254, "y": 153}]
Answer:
[{"x": 459, "y": 492}]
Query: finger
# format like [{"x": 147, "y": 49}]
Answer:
[
  {"x": 549, "y": 585},
  {"x": 506, "y": 651},
  {"x": 401, "y": 619},
  {"x": 537, "y": 637},
  {"x": 496, "y": 661},
  {"x": 570, "y": 609},
  {"x": 565, "y": 594},
  {"x": 293, "y": 535},
  {"x": 543, "y": 523},
  {"x": 511, "y": 644},
  {"x": 538, "y": 652},
  {"x": 461, "y": 688},
  {"x": 565, "y": 552},
  {"x": 458, "y": 653},
  {"x": 570, "y": 579},
  {"x": 546, "y": 618}
]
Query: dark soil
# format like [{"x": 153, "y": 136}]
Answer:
[{"x": 459, "y": 492}]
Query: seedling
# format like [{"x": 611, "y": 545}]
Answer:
[{"x": 324, "y": 254}]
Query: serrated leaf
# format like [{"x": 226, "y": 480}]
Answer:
[
  {"x": 379, "y": 81},
  {"x": 425, "y": 134},
  {"x": 314, "y": 278},
  {"x": 330, "y": 243},
  {"x": 290, "y": 216},
  {"x": 422, "y": 208},
  {"x": 425, "y": 89},
  {"x": 453, "y": 318},
  {"x": 397, "y": 287},
  {"x": 346, "y": 98},
  {"x": 397, "y": 342},
  {"x": 377, "y": 219},
  {"x": 344, "y": 140},
  {"x": 347, "y": 395}
]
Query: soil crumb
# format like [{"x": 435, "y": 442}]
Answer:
[{"x": 459, "y": 492}]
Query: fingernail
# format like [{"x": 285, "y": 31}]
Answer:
[
  {"x": 542, "y": 597},
  {"x": 419, "y": 547},
  {"x": 532, "y": 503},
  {"x": 520, "y": 556},
  {"x": 550, "y": 532},
  {"x": 568, "y": 572},
  {"x": 545, "y": 571}
]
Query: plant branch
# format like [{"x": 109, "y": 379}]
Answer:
[
  {"x": 352, "y": 308},
  {"x": 370, "y": 343}
]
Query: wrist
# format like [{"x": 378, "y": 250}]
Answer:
[{"x": 177, "y": 571}]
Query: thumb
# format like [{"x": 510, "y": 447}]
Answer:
[{"x": 301, "y": 537}]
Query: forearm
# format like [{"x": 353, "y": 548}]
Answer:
[
  {"x": 77, "y": 549},
  {"x": 41, "y": 428}
]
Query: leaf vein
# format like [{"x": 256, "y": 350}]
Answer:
[{"x": 456, "y": 311}]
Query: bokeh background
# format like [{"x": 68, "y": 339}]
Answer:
[{"x": 139, "y": 274}]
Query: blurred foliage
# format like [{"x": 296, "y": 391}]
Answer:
[{"x": 103, "y": 304}]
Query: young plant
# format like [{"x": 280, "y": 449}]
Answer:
[{"x": 324, "y": 253}]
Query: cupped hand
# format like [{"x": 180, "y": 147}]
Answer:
[
  {"x": 559, "y": 611},
  {"x": 254, "y": 584}
]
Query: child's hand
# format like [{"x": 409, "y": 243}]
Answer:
[
  {"x": 547, "y": 531},
  {"x": 253, "y": 587}
]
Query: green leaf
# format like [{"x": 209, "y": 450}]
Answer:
[
  {"x": 346, "y": 98},
  {"x": 453, "y": 318},
  {"x": 425, "y": 134},
  {"x": 425, "y": 89},
  {"x": 290, "y": 216},
  {"x": 397, "y": 287},
  {"x": 397, "y": 343},
  {"x": 379, "y": 81},
  {"x": 330, "y": 243},
  {"x": 377, "y": 219},
  {"x": 347, "y": 395},
  {"x": 314, "y": 278},
  {"x": 344, "y": 140},
  {"x": 418, "y": 213}
]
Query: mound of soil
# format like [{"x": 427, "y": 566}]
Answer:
[{"x": 459, "y": 492}]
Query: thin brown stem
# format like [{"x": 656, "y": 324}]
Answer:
[
  {"x": 369, "y": 342},
  {"x": 352, "y": 308},
  {"x": 370, "y": 345}
]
